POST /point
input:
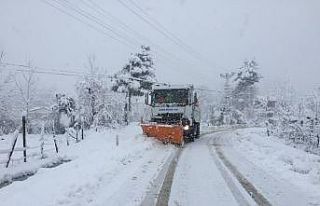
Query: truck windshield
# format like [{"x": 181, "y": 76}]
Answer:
[{"x": 178, "y": 96}]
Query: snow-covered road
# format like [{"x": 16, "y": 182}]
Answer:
[
  {"x": 282, "y": 174},
  {"x": 230, "y": 167},
  {"x": 200, "y": 179},
  {"x": 244, "y": 167}
]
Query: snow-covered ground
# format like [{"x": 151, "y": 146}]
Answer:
[
  {"x": 283, "y": 174},
  {"x": 35, "y": 158},
  {"x": 99, "y": 173},
  {"x": 102, "y": 173}
]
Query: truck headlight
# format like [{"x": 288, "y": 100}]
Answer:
[{"x": 186, "y": 127}]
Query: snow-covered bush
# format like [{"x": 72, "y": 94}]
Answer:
[{"x": 296, "y": 120}]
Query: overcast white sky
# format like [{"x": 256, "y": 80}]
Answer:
[{"x": 282, "y": 35}]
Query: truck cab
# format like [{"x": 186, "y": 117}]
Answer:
[{"x": 176, "y": 105}]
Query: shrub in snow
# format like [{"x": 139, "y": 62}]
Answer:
[
  {"x": 315, "y": 175},
  {"x": 302, "y": 167},
  {"x": 64, "y": 111}
]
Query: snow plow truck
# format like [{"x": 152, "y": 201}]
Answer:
[{"x": 175, "y": 114}]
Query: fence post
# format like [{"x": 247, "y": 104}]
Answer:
[
  {"x": 55, "y": 143},
  {"x": 77, "y": 135},
  {"x": 16, "y": 134},
  {"x": 24, "y": 142},
  {"x": 82, "y": 132},
  {"x": 42, "y": 142},
  {"x": 117, "y": 140},
  {"x": 54, "y": 136},
  {"x": 268, "y": 131},
  {"x": 68, "y": 140}
]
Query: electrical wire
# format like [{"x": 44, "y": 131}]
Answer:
[
  {"x": 98, "y": 9},
  {"x": 28, "y": 68},
  {"x": 124, "y": 38},
  {"x": 85, "y": 14},
  {"x": 86, "y": 23},
  {"x": 157, "y": 23},
  {"x": 42, "y": 70},
  {"x": 169, "y": 35}
]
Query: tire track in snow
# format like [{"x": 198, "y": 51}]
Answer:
[
  {"x": 164, "y": 194},
  {"x": 153, "y": 193},
  {"x": 246, "y": 184},
  {"x": 230, "y": 182}
]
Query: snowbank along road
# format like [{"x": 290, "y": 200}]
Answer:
[{"x": 230, "y": 167}]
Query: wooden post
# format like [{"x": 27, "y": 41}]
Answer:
[
  {"x": 82, "y": 132},
  {"x": 126, "y": 113},
  {"x": 54, "y": 136},
  {"x": 24, "y": 142},
  {"x": 42, "y": 141},
  {"x": 129, "y": 100},
  {"x": 117, "y": 140},
  {"x": 68, "y": 140},
  {"x": 13, "y": 146},
  {"x": 77, "y": 134},
  {"x": 55, "y": 143}
]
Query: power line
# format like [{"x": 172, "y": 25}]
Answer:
[
  {"x": 28, "y": 66},
  {"x": 85, "y": 23},
  {"x": 124, "y": 26},
  {"x": 67, "y": 73},
  {"x": 169, "y": 35},
  {"x": 156, "y": 22},
  {"x": 96, "y": 20},
  {"x": 42, "y": 70},
  {"x": 39, "y": 70},
  {"x": 126, "y": 41},
  {"x": 148, "y": 22}
]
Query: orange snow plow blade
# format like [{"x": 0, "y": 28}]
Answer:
[{"x": 164, "y": 133}]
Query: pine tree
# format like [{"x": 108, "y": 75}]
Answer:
[
  {"x": 136, "y": 77},
  {"x": 130, "y": 78},
  {"x": 245, "y": 91}
]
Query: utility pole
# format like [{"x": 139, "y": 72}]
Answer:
[{"x": 227, "y": 90}]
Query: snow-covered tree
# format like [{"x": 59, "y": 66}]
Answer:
[
  {"x": 136, "y": 77},
  {"x": 98, "y": 105},
  {"x": 7, "y": 123},
  {"x": 239, "y": 97},
  {"x": 90, "y": 93},
  {"x": 245, "y": 91},
  {"x": 64, "y": 112},
  {"x": 131, "y": 77},
  {"x": 5, "y": 87},
  {"x": 26, "y": 87}
]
